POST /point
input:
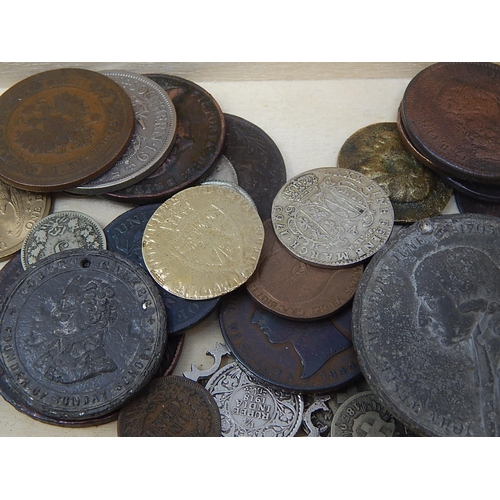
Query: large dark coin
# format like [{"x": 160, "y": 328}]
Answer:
[
  {"x": 124, "y": 235},
  {"x": 10, "y": 274},
  {"x": 81, "y": 333},
  {"x": 199, "y": 138},
  {"x": 426, "y": 323},
  {"x": 257, "y": 160},
  {"x": 451, "y": 114},
  {"x": 299, "y": 356},
  {"x": 61, "y": 128},
  {"x": 467, "y": 204},
  {"x": 171, "y": 407}
]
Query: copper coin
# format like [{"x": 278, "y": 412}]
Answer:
[
  {"x": 171, "y": 407},
  {"x": 294, "y": 289},
  {"x": 467, "y": 204},
  {"x": 451, "y": 113},
  {"x": 199, "y": 137},
  {"x": 62, "y": 128}
]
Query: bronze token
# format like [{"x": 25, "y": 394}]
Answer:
[
  {"x": 62, "y": 128},
  {"x": 294, "y": 289},
  {"x": 171, "y": 407}
]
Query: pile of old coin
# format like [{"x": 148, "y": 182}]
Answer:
[{"x": 313, "y": 290}]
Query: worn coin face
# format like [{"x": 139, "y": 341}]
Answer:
[
  {"x": 415, "y": 191},
  {"x": 61, "y": 231},
  {"x": 82, "y": 332},
  {"x": 250, "y": 409},
  {"x": 433, "y": 292},
  {"x": 294, "y": 289},
  {"x": 153, "y": 138},
  {"x": 203, "y": 242},
  {"x": 332, "y": 217},
  {"x": 19, "y": 211},
  {"x": 467, "y": 204},
  {"x": 222, "y": 170},
  {"x": 62, "y": 128},
  {"x": 171, "y": 407}
]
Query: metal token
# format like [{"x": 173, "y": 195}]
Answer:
[
  {"x": 199, "y": 137},
  {"x": 153, "y": 138},
  {"x": 332, "y": 217},
  {"x": 294, "y": 289},
  {"x": 82, "y": 332},
  {"x": 203, "y": 242},
  {"x": 62, "y": 128},
  {"x": 195, "y": 374},
  {"x": 298, "y": 356},
  {"x": 250, "y": 409},
  {"x": 257, "y": 160},
  {"x": 124, "y": 235},
  {"x": 467, "y": 204},
  {"x": 425, "y": 318},
  {"x": 61, "y": 231},
  {"x": 19, "y": 210},
  {"x": 222, "y": 170},
  {"x": 171, "y": 407},
  {"x": 415, "y": 191}
]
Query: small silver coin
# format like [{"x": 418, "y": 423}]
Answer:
[
  {"x": 332, "y": 217},
  {"x": 249, "y": 408},
  {"x": 153, "y": 138},
  {"x": 234, "y": 187},
  {"x": 223, "y": 170},
  {"x": 61, "y": 231}
]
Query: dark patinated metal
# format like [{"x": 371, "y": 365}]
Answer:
[
  {"x": 467, "y": 204},
  {"x": 9, "y": 273},
  {"x": 299, "y": 356},
  {"x": 173, "y": 351},
  {"x": 62, "y": 128},
  {"x": 124, "y": 235},
  {"x": 199, "y": 137}
]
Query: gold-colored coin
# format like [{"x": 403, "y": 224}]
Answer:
[
  {"x": 19, "y": 211},
  {"x": 203, "y": 242}
]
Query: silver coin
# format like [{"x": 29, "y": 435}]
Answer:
[
  {"x": 232, "y": 186},
  {"x": 61, "y": 231},
  {"x": 332, "y": 217},
  {"x": 223, "y": 170},
  {"x": 249, "y": 408},
  {"x": 153, "y": 138}
]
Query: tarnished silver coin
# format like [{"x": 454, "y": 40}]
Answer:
[
  {"x": 233, "y": 186},
  {"x": 426, "y": 325},
  {"x": 249, "y": 408},
  {"x": 153, "y": 138},
  {"x": 223, "y": 170},
  {"x": 61, "y": 231},
  {"x": 332, "y": 216}
]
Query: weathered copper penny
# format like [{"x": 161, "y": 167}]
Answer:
[
  {"x": 425, "y": 325},
  {"x": 467, "y": 204},
  {"x": 171, "y": 407},
  {"x": 294, "y": 289},
  {"x": 81, "y": 333},
  {"x": 19, "y": 211},
  {"x": 451, "y": 113},
  {"x": 415, "y": 191},
  {"x": 62, "y": 128},
  {"x": 299, "y": 356},
  {"x": 257, "y": 160},
  {"x": 199, "y": 137}
]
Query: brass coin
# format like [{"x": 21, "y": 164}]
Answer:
[
  {"x": 62, "y": 128},
  {"x": 203, "y": 242}
]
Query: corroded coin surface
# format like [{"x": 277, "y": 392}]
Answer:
[
  {"x": 467, "y": 204},
  {"x": 332, "y": 217},
  {"x": 61, "y": 231},
  {"x": 81, "y": 333},
  {"x": 171, "y": 407},
  {"x": 62, "y": 128},
  {"x": 203, "y": 242},
  {"x": 425, "y": 325},
  {"x": 249, "y": 408},
  {"x": 19, "y": 211}
]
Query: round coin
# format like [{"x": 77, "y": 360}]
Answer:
[
  {"x": 61, "y": 231},
  {"x": 154, "y": 134},
  {"x": 171, "y": 407},
  {"x": 82, "y": 332},
  {"x": 294, "y": 289},
  {"x": 222, "y": 170},
  {"x": 62, "y": 128},
  {"x": 250, "y": 409},
  {"x": 203, "y": 242},
  {"x": 467, "y": 204},
  {"x": 332, "y": 217},
  {"x": 433, "y": 293}
]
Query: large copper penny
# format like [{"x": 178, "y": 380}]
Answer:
[
  {"x": 61, "y": 128},
  {"x": 294, "y": 289},
  {"x": 451, "y": 113},
  {"x": 467, "y": 204}
]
